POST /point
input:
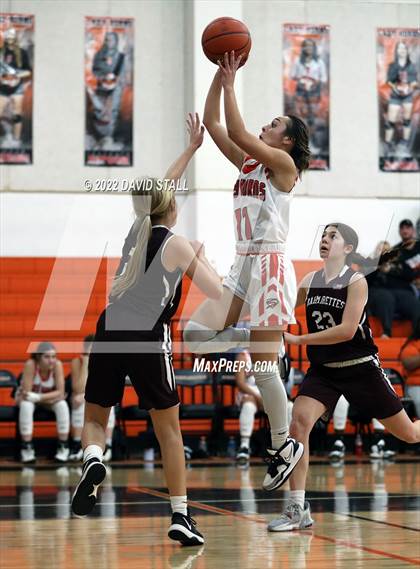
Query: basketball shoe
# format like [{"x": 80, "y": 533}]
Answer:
[
  {"x": 76, "y": 451},
  {"x": 86, "y": 493},
  {"x": 281, "y": 463},
  {"x": 379, "y": 450},
  {"x": 62, "y": 454},
  {"x": 293, "y": 517},
  {"x": 242, "y": 456},
  {"x": 183, "y": 529},
  {"x": 27, "y": 452},
  {"x": 338, "y": 450}
]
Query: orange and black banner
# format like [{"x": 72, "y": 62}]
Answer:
[
  {"x": 398, "y": 79},
  {"x": 16, "y": 81},
  {"x": 109, "y": 52},
  {"x": 306, "y": 78}
]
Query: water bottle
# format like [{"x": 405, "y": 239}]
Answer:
[
  {"x": 231, "y": 447},
  {"x": 358, "y": 445}
]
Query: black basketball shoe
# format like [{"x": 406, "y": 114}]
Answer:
[
  {"x": 183, "y": 530},
  {"x": 85, "y": 495},
  {"x": 281, "y": 463}
]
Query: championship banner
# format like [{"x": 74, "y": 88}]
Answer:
[
  {"x": 16, "y": 71},
  {"x": 109, "y": 45},
  {"x": 306, "y": 53},
  {"x": 398, "y": 78}
]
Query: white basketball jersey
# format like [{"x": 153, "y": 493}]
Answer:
[
  {"x": 41, "y": 385},
  {"x": 261, "y": 212}
]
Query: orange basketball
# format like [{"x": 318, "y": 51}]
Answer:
[{"x": 226, "y": 34}]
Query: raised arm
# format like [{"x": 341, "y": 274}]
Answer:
[
  {"x": 196, "y": 132},
  {"x": 217, "y": 131},
  {"x": 279, "y": 161},
  {"x": 179, "y": 253}
]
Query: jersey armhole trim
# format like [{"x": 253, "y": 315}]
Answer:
[
  {"x": 310, "y": 284},
  {"x": 161, "y": 255}
]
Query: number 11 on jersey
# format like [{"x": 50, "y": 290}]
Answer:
[{"x": 241, "y": 215}]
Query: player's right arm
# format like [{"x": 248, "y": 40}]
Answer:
[
  {"x": 303, "y": 289},
  {"x": 217, "y": 131},
  {"x": 179, "y": 253}
]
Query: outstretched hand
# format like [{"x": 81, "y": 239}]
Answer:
[
  {"x": 195, "y": 130},
  {"x": 228, "y": 68}
]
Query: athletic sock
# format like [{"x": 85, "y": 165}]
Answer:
[
  {"x": 92, "y": 451},
  {"x": 245, "y": 442},
  {"x": 278, "y": 438},
  {"x": 297, "y": 497},
  {"x": 109, "y": 442},
  {"x": 179, "y": 504}
]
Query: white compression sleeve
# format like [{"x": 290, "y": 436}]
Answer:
[
  {"x": 274, "y": 397},
  {"x": 26, "y": 417},
  {"x": 246, "y": 418},
  {"x": 77, "y": 416},
  {"x": 62, "y": 415}
]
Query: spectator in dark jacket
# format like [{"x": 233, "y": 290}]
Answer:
[{"x": 392, "y": 290}]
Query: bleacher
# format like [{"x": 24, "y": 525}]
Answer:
[{"x": 71, "y": 287}]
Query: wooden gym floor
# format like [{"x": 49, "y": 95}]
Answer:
[{"x": 367, "y": 515}]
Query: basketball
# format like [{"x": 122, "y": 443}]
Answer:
[{"x": 226, "y": 34}]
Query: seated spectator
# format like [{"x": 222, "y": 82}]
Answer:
[
  {"x": 43, "y": 385},
  {"x": 378, "y": 448},
  {"x": 410, "y": 358},
  {"x": 79, "y": 372},
  {"x": 392, "y": 288}
]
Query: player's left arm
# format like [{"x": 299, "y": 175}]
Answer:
[
  {"x": 196, "y": 132},
  {"x": 59, "y": 393},
  {"x": 357, "y": 295},
  {"x": 279, "y": 161}
]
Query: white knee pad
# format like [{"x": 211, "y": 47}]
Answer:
[
  {"x": 77, "y": 416},
  {"x": 26, "y": 417},
  {"x": 111, "y": 419},
  {"x": 62, "y": 415},
  {"x": 340, "y": 414},
  {"x": 202, "y": 340}
]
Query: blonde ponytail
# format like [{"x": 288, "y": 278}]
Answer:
[{"x": 149, "y": 200}]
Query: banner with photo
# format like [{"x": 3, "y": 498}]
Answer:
[
  {"x": 306, "y": 56},
  {"x": 398, "y": 78},
  {"x": 16, "y": 73},
  {"x": 109, "y": 51}
]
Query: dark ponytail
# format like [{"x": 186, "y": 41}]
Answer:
[{"x": 300, "y": 152}]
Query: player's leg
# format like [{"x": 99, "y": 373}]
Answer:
[
  {"x": 168, "y": 433},
  {"x": 406, "y": 109},
  {"x": 104, "y": 388},
  {"x": 62, "y": 416},
  {"x": 306, "y": 412},
  {"x": 249, "y": 407},
  {"x": 401, "y": 426},
  {"x": 26, "y": 425},
  {"x": 340, "y": 419},
  {"x": 210, "y": 328},
  {"x": 378, "y": 449},
  {"x": 108, "y": 435},
  {"x": 77, "y": 418},
  {"x": 285, "y": 452},
  {"x": 392, "y": 117},
  {"x": 94, "y": 472}
]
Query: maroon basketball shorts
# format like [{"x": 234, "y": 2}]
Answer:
[{"x": 364, "y": 385}]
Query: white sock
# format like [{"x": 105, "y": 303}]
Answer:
[
  {"x": 274, "y": 397},
  {"x": 109, "y": 442},
  {"x": 246, "y": 418},
  {"x": 77, "y": 439},
  {"x": 340, "y": 414},
  {"x": 92, "y": 451},
  {"x": 245, "y": 442},
  {"x": 202, "y": 340},
  {"x": 179, "y": 504},
  {"x": 297, "y": 497}
]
